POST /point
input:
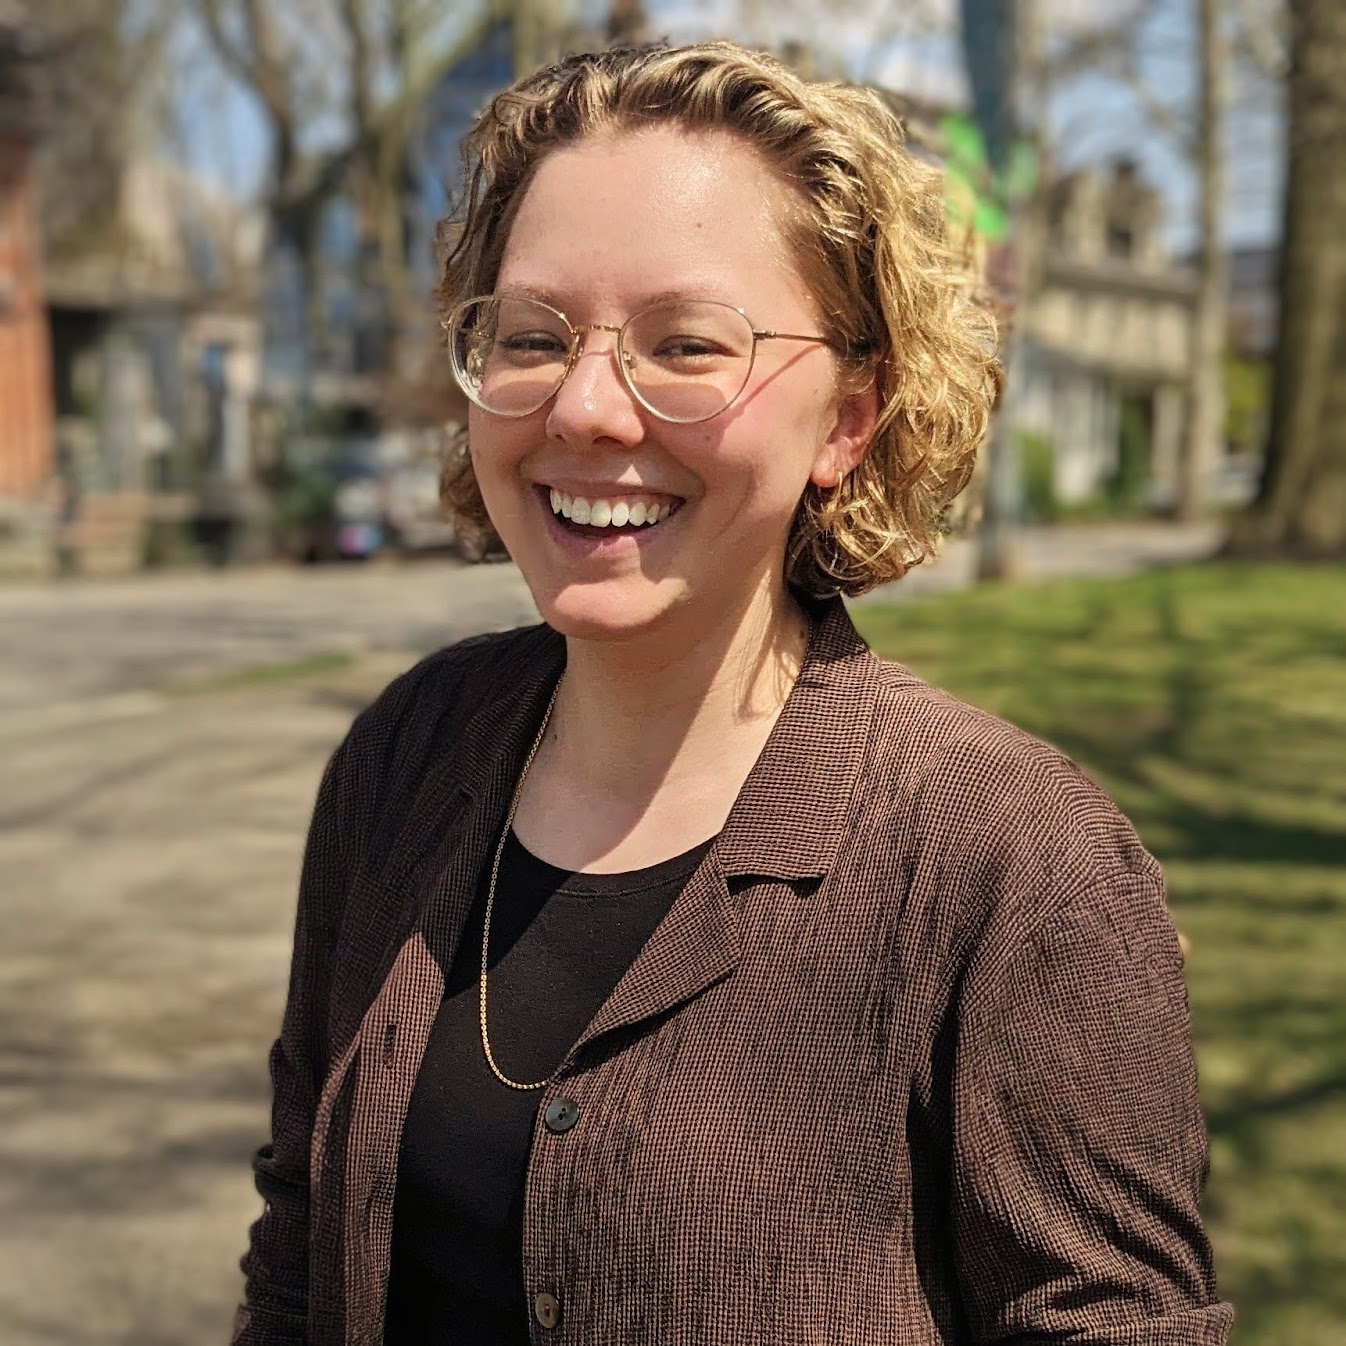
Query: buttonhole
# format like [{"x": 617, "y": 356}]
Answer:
[{"x": 389, "y": 1043}]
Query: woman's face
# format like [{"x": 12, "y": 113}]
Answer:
[{"x": 606, "y": 228}]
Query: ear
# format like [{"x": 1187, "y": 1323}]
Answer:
[{"x": 853, "y": 427}]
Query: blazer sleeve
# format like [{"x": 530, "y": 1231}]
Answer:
[
  {"x": 276, "y": 1264},
  {"x": 1079, "y": 1151}
]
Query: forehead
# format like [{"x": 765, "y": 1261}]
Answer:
[{"x": 613, "y": 220}]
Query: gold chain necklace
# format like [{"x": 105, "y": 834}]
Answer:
[{"x": 490, "y": 903}]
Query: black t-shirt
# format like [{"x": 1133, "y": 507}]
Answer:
[{"x": 560, "y": 942}]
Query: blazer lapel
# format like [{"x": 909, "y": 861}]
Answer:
[
  {"x": 786, "y": 823},
  {"x": 693, "y": 947},
  {"x": 426, "y": 881},
  {"x": 460, "y": 808}
]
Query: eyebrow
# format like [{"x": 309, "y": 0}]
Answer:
[
  {"x": 543, "y": 296},
  {"x": 684, "y": 294}
]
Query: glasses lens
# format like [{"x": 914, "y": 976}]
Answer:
[
  {"x": 688, "y": 360},
  {"x": 509, "y": 354}
]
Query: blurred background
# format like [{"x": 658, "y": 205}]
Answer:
[{"x": 222, "y": 410}]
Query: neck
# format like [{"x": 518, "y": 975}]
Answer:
[{"x": 634, "y": 717}]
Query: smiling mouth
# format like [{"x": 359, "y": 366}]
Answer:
[{"x": 613, "y": 515}]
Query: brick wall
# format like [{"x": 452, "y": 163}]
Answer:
[{"x": 26, "y": 430}]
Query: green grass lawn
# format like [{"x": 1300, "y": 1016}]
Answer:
[{"x": 1210, "y": 701}]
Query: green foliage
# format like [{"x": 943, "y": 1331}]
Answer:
[
  {"x": 975, "y": 195},
  {"x": 305, "y": 482},
  {"x": 165, "y": 543},
  {"x": 1037, "y": 463},
  {"x": 1247, "y": 389},
  {"x": 1124, "y": 491},
  {"x": 306, "y": 499},
  {"x": 1208, "y": 701}
]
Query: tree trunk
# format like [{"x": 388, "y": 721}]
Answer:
[
  {"x": 1301, "y": 505},
  {"x": 1204, "y": 429}
]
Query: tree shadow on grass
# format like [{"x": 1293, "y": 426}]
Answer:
[
  {"x": 1189, "y": 687},
  {"x": 1278, "y": 1035},
  {"x": 1240, "y": 1118},
  {"x": 1308, "y": 1273},
  {"x": 1200, "y": 834}
]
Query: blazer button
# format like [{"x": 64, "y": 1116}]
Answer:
[
  {"x": 547, "y": 1309},
  {"x": 561, "y": 1115}
]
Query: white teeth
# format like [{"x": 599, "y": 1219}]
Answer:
[{"x": 608, "y": 513}]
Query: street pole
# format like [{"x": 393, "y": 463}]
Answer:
[
  {"x": 992, "y": 40},
  {"x": 1003, "y": 47},
  {"x": 997, "y": 537}
]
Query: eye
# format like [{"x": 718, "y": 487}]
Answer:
[
  {"x": 534, "y": 343},
  {"x": 688, "y": 349},
  {"x": 688, "y": 345}
]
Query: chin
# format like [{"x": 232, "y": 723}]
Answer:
[{"x": 608, "y": 612}]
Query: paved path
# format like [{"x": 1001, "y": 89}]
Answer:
[
  {"x": 71, "y": 641},
  {"x": 1070, "y": 550},
  {"x": 149, "y": 864},
  {"x": 82, "y": 641},
  {"x": 151, "y": 819}
]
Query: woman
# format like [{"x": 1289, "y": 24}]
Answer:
[{"x": 677, "y": 971}]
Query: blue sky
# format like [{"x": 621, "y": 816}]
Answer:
[{"x": 911, "y": 48}]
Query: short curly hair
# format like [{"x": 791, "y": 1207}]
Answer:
[{"x": 871, "y": 242}]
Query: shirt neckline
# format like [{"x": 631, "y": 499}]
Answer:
[{"x": 627, "y": 883}]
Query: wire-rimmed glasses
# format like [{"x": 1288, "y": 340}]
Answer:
[{"x": 683, "y": 360}]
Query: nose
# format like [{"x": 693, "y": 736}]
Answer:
[{"x": 594, "y": 402}]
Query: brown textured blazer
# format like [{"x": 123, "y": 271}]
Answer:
[{"x": 908, "y": 1061}]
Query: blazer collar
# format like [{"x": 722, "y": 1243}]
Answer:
[{"x": 788, "y": 818}]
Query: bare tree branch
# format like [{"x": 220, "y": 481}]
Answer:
[
  {"x": 1161, "y": 115},
  {"x": 361, "y": 65},
  {"x": 240, "y": 64},
  {"x": 1262, "y": 36},
  {"x": 262, "y": 67},
  {"x": 271, "y": 76}
]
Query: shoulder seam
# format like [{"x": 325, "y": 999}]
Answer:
[{"x": 1049, "y": 919}]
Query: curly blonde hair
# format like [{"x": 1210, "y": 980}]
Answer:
[{"x": 870, "y": 240}]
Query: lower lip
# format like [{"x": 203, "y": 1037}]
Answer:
[{"x": 610, "y": 542}]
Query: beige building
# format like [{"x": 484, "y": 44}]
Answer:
[
  {"x": 155, "y": 344},
  {"x": 1107, "y": 342},
  {"x": 1101, "y": 377}
]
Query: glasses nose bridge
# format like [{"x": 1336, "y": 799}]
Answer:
[{"x": 578, "y": 344}]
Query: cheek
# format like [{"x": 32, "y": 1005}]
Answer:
[
  {"x": 496, "y": 446},
  {"x": 776, "y": 437},
  {"x": 495, "y": 467},
  {"x": 484, "y": 436}
]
